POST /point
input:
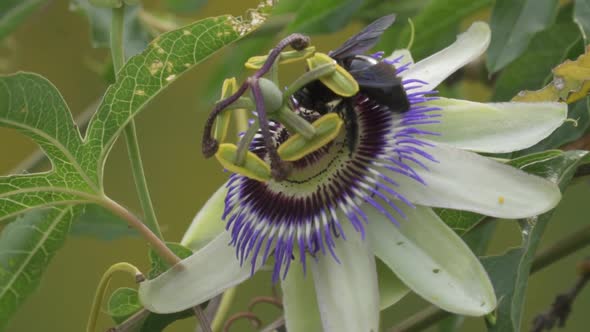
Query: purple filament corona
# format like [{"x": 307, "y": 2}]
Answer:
[{"x": 302, "y": 217}]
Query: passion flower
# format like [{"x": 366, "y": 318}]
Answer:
[{"x": 367, "y": 193}]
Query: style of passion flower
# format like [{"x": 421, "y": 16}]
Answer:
[{"x": 343, "y": 166}]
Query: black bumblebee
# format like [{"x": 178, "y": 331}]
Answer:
[{"x": 376, "y": 79}]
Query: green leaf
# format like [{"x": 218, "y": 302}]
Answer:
[
  {"x": 323, "y": 16},
  {"x": 27, "y": 245},
  {"x": 124, "y": 303},
  {"x": 99, "y": 223},
  {"x": 158, "y": 266},
  {"x": 514, "y": 23},
  {"x": 135, "y": 36},
  {"x": 459, "y": 221},
  {"x": 33, "y": 106},
  {"x": 509, "y": 272},
  {"x": 13, "y": 12},
  {"x": 184, "y": 6},
  {"x": 582, "y": 17},
  {"x": 533, "y": 68},
  {"x": 436, "y": 26}
]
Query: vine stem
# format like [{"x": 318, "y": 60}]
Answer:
[
  {"x": 102, "y": 287},
  {"x": 157, "y": 244},
  {"x": 151, "y": 229},
  {"x": 561, "y": 249},
  {"x": 130, "y": 133}
]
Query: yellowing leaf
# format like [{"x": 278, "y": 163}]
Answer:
[{"x": 571, "y": 82}]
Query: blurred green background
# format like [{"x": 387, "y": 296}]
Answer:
[{"x": 54, "y": 42}]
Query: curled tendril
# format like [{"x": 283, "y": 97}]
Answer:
[{"x": 252, "y": 317}]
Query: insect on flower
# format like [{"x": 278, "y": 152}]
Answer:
[{"x": 376, "y": 78}]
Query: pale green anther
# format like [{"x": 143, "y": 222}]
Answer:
[
  {"x": 272, "y": 95},
  {"x": 295, "y": 123},
  {"x": 253, "y": 167},
  {"x": 256, "y": 62},
  {"x": 107, "y": 3},
  {"x": 223, "y": 120},
  {"x": 340, "y": 81},
  {"x": 310, "y": 76},
  {"x": 296, "y": 147}
]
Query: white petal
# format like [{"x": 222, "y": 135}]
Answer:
[
  {"x": 437, "y": 67},
  {"x": 207, "y": 224},
  {"x": 433, "y": 261},
  {"x": 496, "y": 127},
  {"x": 347, "y": 292},
  {"x": 403, "y": 57},
  {"x": 463, "y": 180},
  {"x": 299, "y": 301},
  {"x": 198, "y": 278},
  {"x": 391, "y": 289}
]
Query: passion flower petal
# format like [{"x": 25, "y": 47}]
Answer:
[
  {"x": 347, "y": 292},
  {"x": 463, "y": 180},
  {"x": 494, "y": 127},
  {"x": 433, "y": 261},
  {"x": 207, "y": 224},
  {"x": 203, "y": 275},
  {"x": 299, "y": 302},
  {"x": 437, "y": 67}
]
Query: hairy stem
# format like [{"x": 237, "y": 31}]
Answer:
[
  {"x": 118, "y": 55},
  {"x": 562, "y": 249},
  {"x": 102, "y": 287}
]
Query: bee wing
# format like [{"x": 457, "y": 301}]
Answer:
[
  {"x": 379, "y": 75},
  {"x": 364, "y": 40}
]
